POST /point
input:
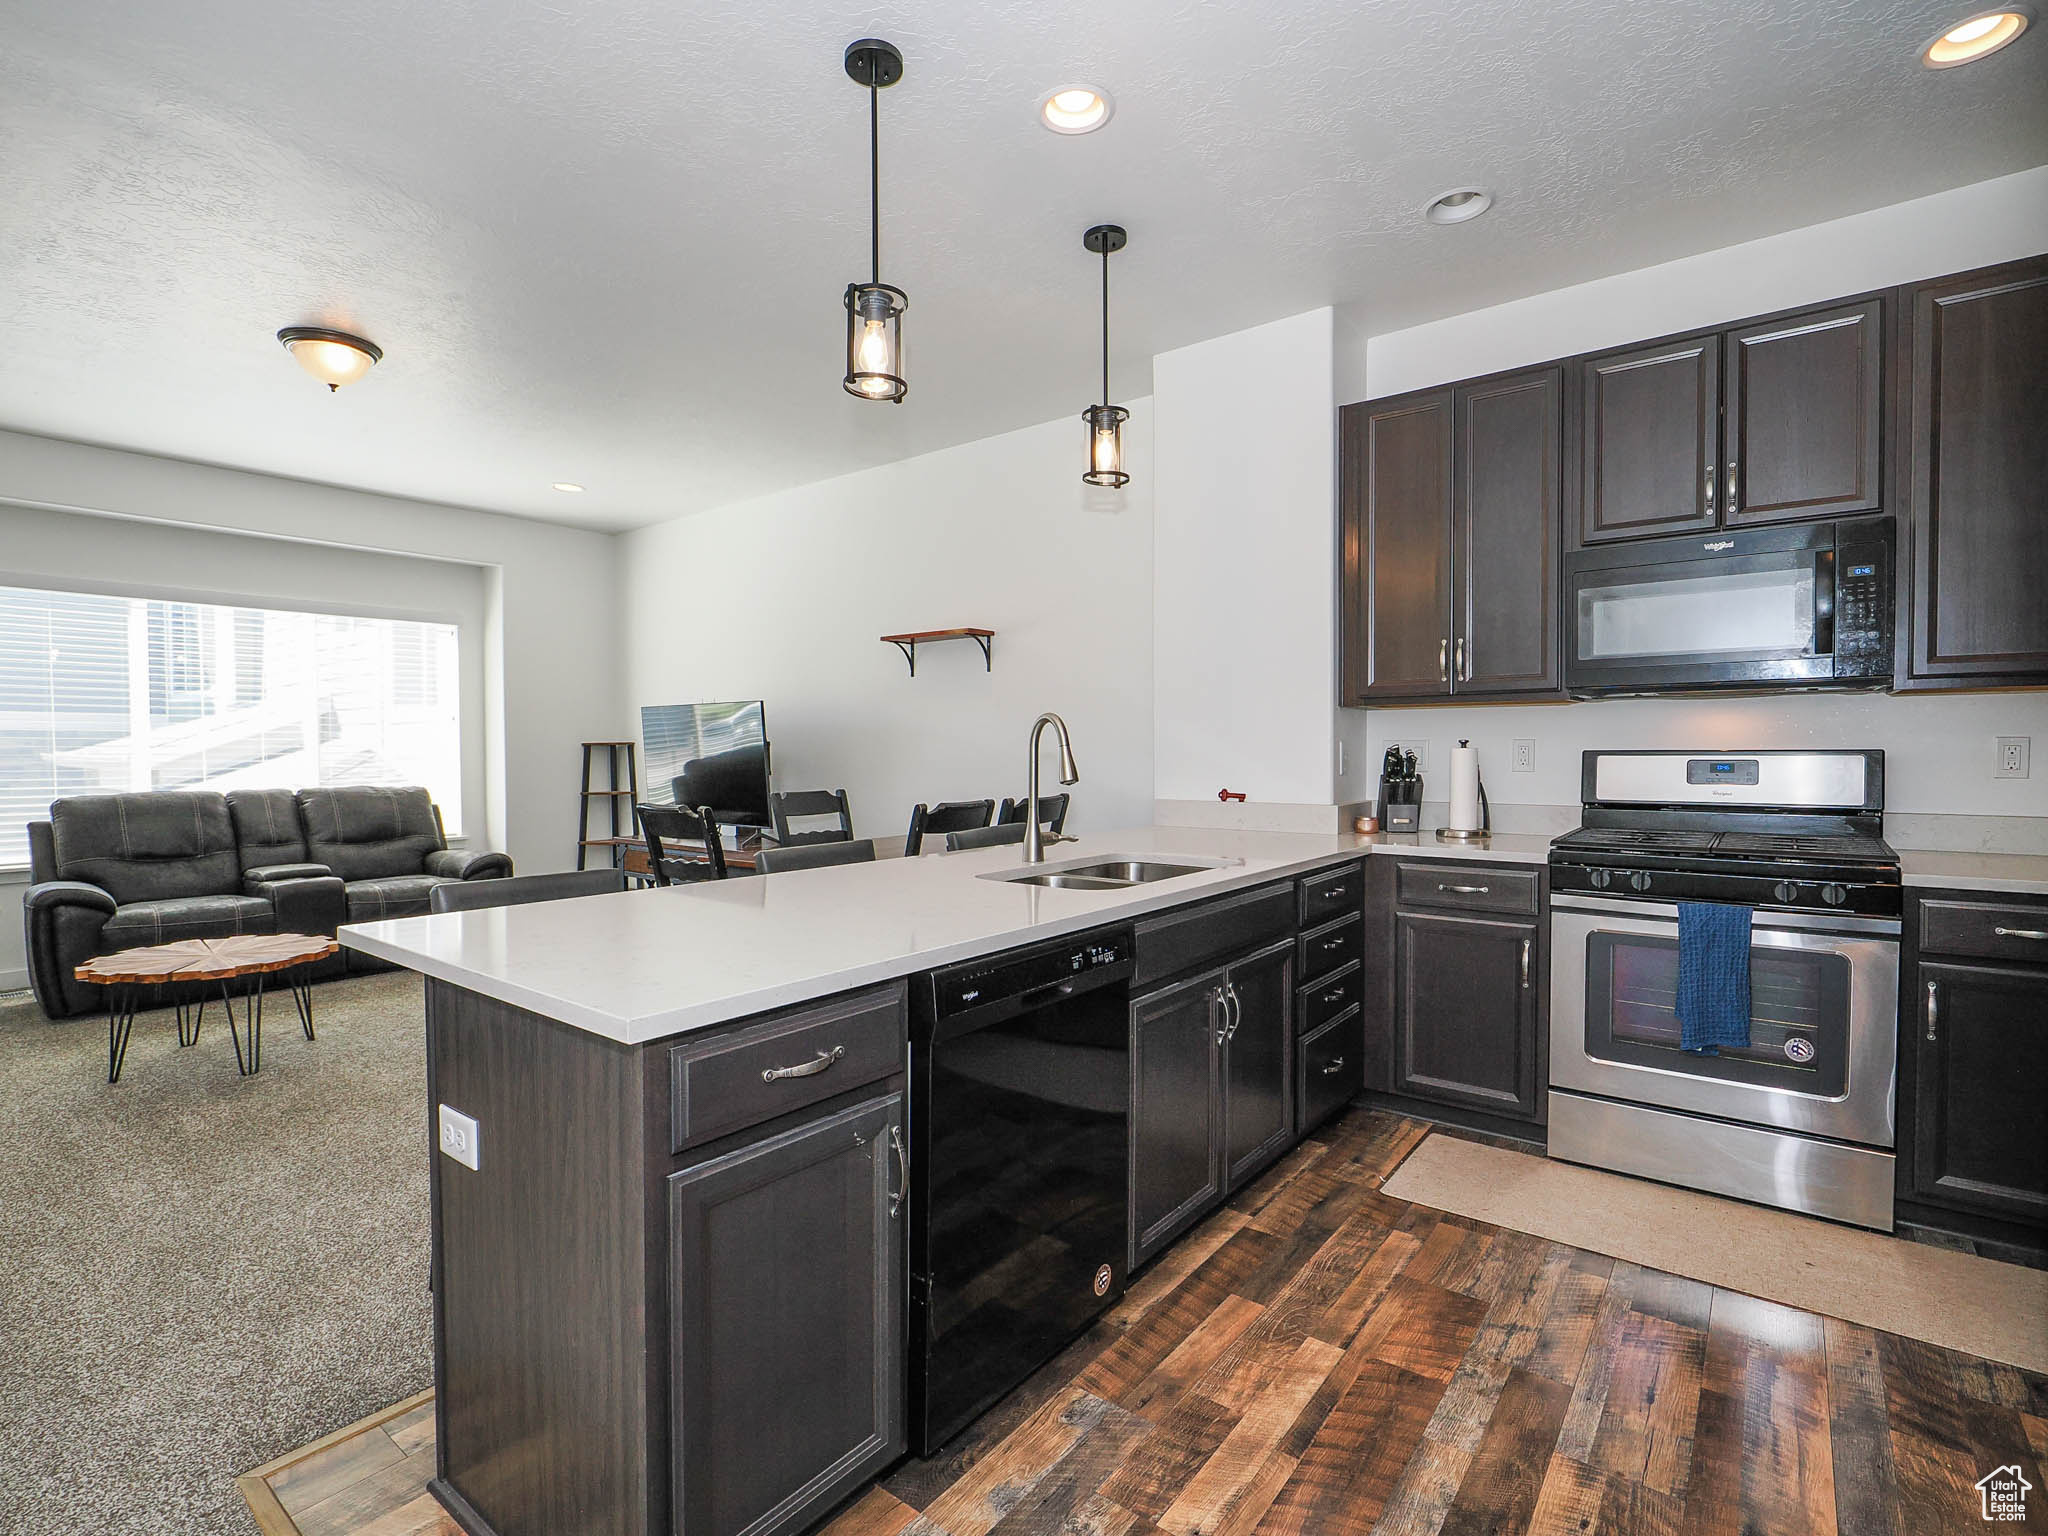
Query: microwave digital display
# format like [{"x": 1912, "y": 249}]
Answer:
[{"x": 1862, "y": 570}]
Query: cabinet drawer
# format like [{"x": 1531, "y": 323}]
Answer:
[
  {"x": 1330, "y": 948},
  {"x": 1466, "y": 888},
  {"x": 1213, "y": 932},
  {"x": 1331, "y": 1071},
  {"x": 1329, "y": 997},
  {"x": 1985, "y": 930},
  {"x": 1332, "y": 895},
  {"x": 728, "y": 1082}
]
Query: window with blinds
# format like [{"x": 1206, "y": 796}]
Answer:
[{"x": 103, "y": 695}]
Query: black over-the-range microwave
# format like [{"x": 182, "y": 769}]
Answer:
[{"x": 1806, "y": 605}]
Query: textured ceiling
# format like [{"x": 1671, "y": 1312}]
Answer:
[{"x": 605, "y": 242}]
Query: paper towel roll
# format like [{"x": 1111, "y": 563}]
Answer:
[{"x": 1464, "y": 814}]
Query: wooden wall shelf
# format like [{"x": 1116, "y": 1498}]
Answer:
[{"x": 908, "y": 643}]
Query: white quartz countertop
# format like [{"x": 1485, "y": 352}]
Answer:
[
  {"x": 639, "y": 965},
  {"x": 2024, "y": 872}
]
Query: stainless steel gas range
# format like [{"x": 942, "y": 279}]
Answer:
[{"x": 1801, "y": 1118}]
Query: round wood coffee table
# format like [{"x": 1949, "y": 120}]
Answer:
[{"x": 251, "y": 958}]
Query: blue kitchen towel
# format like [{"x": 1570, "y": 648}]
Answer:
[{"x": 1713, "y": 975}]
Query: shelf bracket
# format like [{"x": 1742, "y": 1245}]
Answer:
[{"x": 907, "y": 644}]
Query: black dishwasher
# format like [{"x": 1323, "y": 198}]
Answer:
[{"x": 1020, "y": 1113}]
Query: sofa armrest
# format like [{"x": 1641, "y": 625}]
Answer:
[
  {"x": 314, "y": 904},
  {"x": 458, "y": 864},
  {"x": 67, "y": 893},
  {"x": 270, "y": 874}
]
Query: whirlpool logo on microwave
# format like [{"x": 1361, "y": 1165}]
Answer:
[{"x": 1718, "y": 545}]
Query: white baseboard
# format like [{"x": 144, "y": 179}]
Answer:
[{"x": 13, "y": 981}]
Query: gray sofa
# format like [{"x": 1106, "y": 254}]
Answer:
[{"x": 113, "y": 872}]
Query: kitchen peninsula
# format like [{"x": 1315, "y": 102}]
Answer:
[{"x": 669, "y": 1213}]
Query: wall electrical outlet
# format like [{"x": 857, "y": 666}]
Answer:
[
  {"x": 1525, "y": 754},
  {"x": 2011, "y": 762},
  {"x": 459, "y": 1136}
]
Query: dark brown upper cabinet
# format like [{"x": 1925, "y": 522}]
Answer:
[
  {"x": 1804, "y": 415},
  {"x": 1396, "y": 476},
  {"x": 1506, "y": 522},
  {"x": 1652, "y": 439},
  {"x": 1778, "y": 420},
  {"x": 1973, "y": 534},
  {"x": 1452, "y": 510}
]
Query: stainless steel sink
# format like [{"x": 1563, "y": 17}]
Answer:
[{"x": 1111, "y": 874}]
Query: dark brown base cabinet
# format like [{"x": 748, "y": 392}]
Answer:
[
  {"x": 1212, "y": 1100},
  {"x": 1974, "y": 1037},
  {"x": 1457, "y": 974},
  {"x": 671, "y": 1298}
]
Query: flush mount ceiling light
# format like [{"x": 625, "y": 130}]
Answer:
[
  {"x": 567, "y": 485},
  {"x": 1105, "y": 421},
  {"x": 334, "y": 358},
  {"x": 1975, "y": 37},
  {"x": 1075, "y": 109},
  {"x": 874, "y": 310},
  {"x": 1458, "y": 205}
]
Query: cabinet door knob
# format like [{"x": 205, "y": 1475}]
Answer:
[{"x": 1933, "y": 1012}]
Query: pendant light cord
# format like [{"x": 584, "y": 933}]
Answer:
[
  {"x": 875, "y": 181},
  {"x": 1105, "y": 322}
]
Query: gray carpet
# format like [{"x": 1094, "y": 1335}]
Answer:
[{"x": 199, "y": 1272}]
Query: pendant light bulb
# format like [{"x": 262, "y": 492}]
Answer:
[
  {"x": 1105, "y": 421},
  {"x": 874, "y": 310}
]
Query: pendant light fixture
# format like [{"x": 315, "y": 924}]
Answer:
[
  {"x": 1105, "y": 421},
  {"x": 874, "y": 310},
  {"x": 334, "y": 358}
]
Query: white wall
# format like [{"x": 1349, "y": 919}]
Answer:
[
  {"x": 549, "y": 659},
  {"x": 1939, "y": 747},
  {"x": 1244, "y": 577},
  {"x": 783, "y": 598}
]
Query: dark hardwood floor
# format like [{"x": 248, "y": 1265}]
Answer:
[{"x": 1319, "y": 1357}]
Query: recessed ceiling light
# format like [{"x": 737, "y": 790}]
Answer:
[
  {"x": 334, "y": 358},
  {"x": 1458, "y": 205},
  {"x": 567, "y": 485},
  {"x": 1976, "y": 36},
  {"x": 1075, "y": 109}
]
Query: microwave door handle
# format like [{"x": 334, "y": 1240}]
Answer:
[{"x": 1823, "y": 602}]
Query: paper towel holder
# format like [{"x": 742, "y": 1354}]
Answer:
[{"x": 1485, "y": 831}]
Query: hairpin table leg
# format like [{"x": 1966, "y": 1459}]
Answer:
[
  {"x": 301, "y": 983},
  {"x": 120, "y": 1024}
]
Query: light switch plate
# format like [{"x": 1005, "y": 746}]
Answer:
[{"x": 459, "y": 1136}]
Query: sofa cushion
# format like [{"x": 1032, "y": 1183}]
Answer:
[
  {"x": 147, "y": 847},
  {"x": 139, "y": 924},
  {"x": 365, "y": 832},
  {"x": 267, "y": 827},
  {"x": 391, "y": 896}
]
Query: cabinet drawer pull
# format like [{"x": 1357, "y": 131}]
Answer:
[
  {"x": 2021, "y": 933},
  {"x": 1933, "y": 1011},
  {"x": 1334, "y": 1067},
  {"x": 1463, "y": 890},
  {"x": 902, "y": 1167},
  {"x": 1334, "y": 995},
  {"x": 1525, "y": 964},
  {"x": 808, "y": 1069}
]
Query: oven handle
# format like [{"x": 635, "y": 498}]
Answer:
[{"x": 1849, "y": 923}]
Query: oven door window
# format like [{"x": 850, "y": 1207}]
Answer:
[
  {"x": 1758, "y": 608},
  {"x": 1798, "y": 1014}
]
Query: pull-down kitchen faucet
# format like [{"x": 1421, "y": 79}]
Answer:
[{"x": 1034, "y": 839}]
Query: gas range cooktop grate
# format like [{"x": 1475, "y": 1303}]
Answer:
[
  {"x": 1781, "y": 845},
  {"x": 1637, "y": 840},
  {"x": 1844, "y": 847}
]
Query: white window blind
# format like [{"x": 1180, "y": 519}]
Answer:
[{"x": 102, "y": 695}]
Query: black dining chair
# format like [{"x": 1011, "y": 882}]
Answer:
[
  {"x": 780, "y": 861},
  {"x": 518, "y": 890},
  {"x": 1052, "y": 811},
  {"x": 985, "y": 837},
  {"x": 666, "y": 826},
  {"x": 811, "y": 803},
  {"x": 946, "y": 816}
]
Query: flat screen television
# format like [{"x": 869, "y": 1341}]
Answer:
[{"x": 708, "y": 754}]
